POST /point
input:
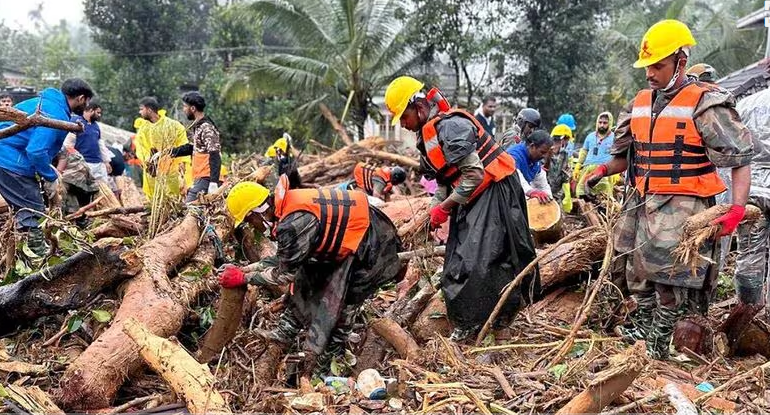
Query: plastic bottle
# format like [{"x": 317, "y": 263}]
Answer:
[{"x": 371, "y": 384}]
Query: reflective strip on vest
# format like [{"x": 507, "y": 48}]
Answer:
[
  {"x": 497, "y": 163},
  {"x": 670, "y": 156},
  {"x": 343, "y": 218}
]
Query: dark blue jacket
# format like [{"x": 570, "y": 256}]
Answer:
[
  {"x": 87, "y": 142},
  {"x": 31, "y": 151}
]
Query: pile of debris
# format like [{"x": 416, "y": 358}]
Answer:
[{"x": 132, "y": 324}]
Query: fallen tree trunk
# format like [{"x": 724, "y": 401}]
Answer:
[
  {"x": 339, "y": 164},
  {"x": 432, "y": 320},
  {"x": 190, "y": 380},
  {"x": 327, "y": 113},
  {"x": 228, "y": 319},
  {"x": 117, "y": 211},
  {"x": 66, "y": 286},
  {"x": 588, "y": 210},
  {"x": 571, "y": 259},
  {"x": 118, "y": 227},
  {"x": 403, "y": 161},
  {"x": 399, "y": 338},
  {"x": 423, "y": 253},
  {"x": 23, "y": 122},
  {"x": 130, "y": 194},
  {"x": 609, "y": 383},
  {"x": 33, "y": 399},
  {"x": 736, "y": 324},
  {"x": 93, "y": 379},
  {"x": 404, "y": 311}
]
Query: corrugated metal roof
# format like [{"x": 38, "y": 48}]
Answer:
[{"x": 748, "y": 80}]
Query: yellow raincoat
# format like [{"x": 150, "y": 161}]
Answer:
[{"x": 163, "y": 135}]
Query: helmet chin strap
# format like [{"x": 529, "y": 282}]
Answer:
[{"x": 674, "y": 78}]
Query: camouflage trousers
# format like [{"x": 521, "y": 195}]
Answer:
[
  {"x": 645, "y": 237},
  {"x": 751, "y": 271}
]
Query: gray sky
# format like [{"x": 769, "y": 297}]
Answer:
[{"x": 15, "y": 12}]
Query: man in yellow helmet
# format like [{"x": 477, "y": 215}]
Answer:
[
  {"x": 480, "y": 194},
  {"x": 557, "y": 163},
  {"x": 333, "y": 247},
  {"x": 671, "y": 138},
  {"x": 279, "y": 156}
]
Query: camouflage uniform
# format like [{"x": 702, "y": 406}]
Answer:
[
  {"x": 751, "y": 270},
  {"x": 510, "y": 137},
  {"x": 326, "y": 294},
  {"x": 651, "y": 226},
  {"x": 79, "y": 184},
  {"x": 558, "y": 173}
]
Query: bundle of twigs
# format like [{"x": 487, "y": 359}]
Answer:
[{"x": 698, "y": 230}]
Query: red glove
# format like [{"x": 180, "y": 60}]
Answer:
[
  {"x": 540, "y": 195},
  {"x": 592, "y": 179},
  {"x": 438, "y": 215},
  {"x": 729, "y": 220},
  {"x": 232, "y": 277}
]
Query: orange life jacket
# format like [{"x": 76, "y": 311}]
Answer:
[
  {"x": 497, "y": 163},
  {"x": 364, "y": 173},
  {"x": 343, "y": 216},
  {"x": 670, "y": 156}
]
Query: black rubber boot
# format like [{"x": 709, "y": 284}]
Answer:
[{"x": 36, "y": 242}]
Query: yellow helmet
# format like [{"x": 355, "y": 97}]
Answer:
[
  {"x": 663, "y": 39},
  {"x": 399, "y": 93},
  {"x": 561, "y": 130},
  {"x": 243, "y": 198},
  {"x": 280, "y": 143}
]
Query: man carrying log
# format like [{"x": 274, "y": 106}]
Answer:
[
  {"x": 480, "y": 194},
  {"x": 333, "y": 248},
  {"x": 672, "y": 137},
  {"x": 25, "y": 157},
  {"x": 376, "y": 181}
]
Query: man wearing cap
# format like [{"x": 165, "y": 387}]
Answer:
[
  {"x": 480, "y": 194},
  {"x": 333, "y": 248},
  {"x": 672, "y": 138}
]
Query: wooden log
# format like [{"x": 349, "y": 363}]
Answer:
[
  {"x": 266, "y": 366},
  {"x": 403, "y": 161},
  {"x": 571, "y": 259},
  {"x": 130, "y": 195},
  {"x": 66, "y": 286},
  {"x": 403, "y": 311},
  {"x": 22, "y": 122},
  {"x": 226, "y": 324},
  {"x": 423, "y": 253},
  {"x": 190, "y": 380},
  {"x": 679, "y": 401},
  {"x": 84, "y": 209},
  {"x": 610, "y": 383},
  {"x": 117, "y": 211},
  {"x": 588, "y": 210},
  {"x": 755, "y": 339},
  {"x": 694, "y": 333},
  {"x": 737, "y": 322},
  {"x": 719, "y": 404},
  {"x": 346, "y": 156},
  {"x": 93, "y": 379},
  {"x": 399, "y": 338},
  {"x": 118, "y": 227},
  {"x": 432, "y": 321},
  {"x": 544, "y": 221},
  {"x": 33, "y": 399}
]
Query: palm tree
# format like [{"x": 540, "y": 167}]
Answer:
[{"x": 338, "y": 53}]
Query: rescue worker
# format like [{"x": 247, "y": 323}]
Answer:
[
  {"x": 557, "y": 162},
  {"x": 751, "y": 265},
  {"x": 155, "y": 139},
  {"x": 671, "y": 138},
  {"x": 569, "y": 120},
  {"x": 279, "y": 155},
  {"x": 375, "y": 181},
  {"x": 486, "y": 114},
  {"x": 529, "y": 166},
  {"x": 595, "y": 152},
  {"x": 527, "y": 121},
  {"x": 205, "y": 148},
  {"x": 333, "y": 247},
  {"x": 480, "y": 194},
  {"x": 25, "y": 157},
  {"x": 703, "y": 72},
  {"x": 78, "y": 181}
]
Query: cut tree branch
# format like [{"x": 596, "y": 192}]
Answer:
[
  {"x": 23, "y": 122},
  {"x": 327, "y": 113}
]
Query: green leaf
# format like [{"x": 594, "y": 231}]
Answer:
[
  {"x": 335, "y": 367},
  {"x": 3, "y": 393},
  {"x": 74, "y": 324},
  {"x": 578, "y": 350},
  {"x": 558, "y": 371},
  {"x": 101, "y": 316},
  {"x": 55, "y": 260},
  {"x": 489, "y": 340},
  {"x": 207, "y": 316}
]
